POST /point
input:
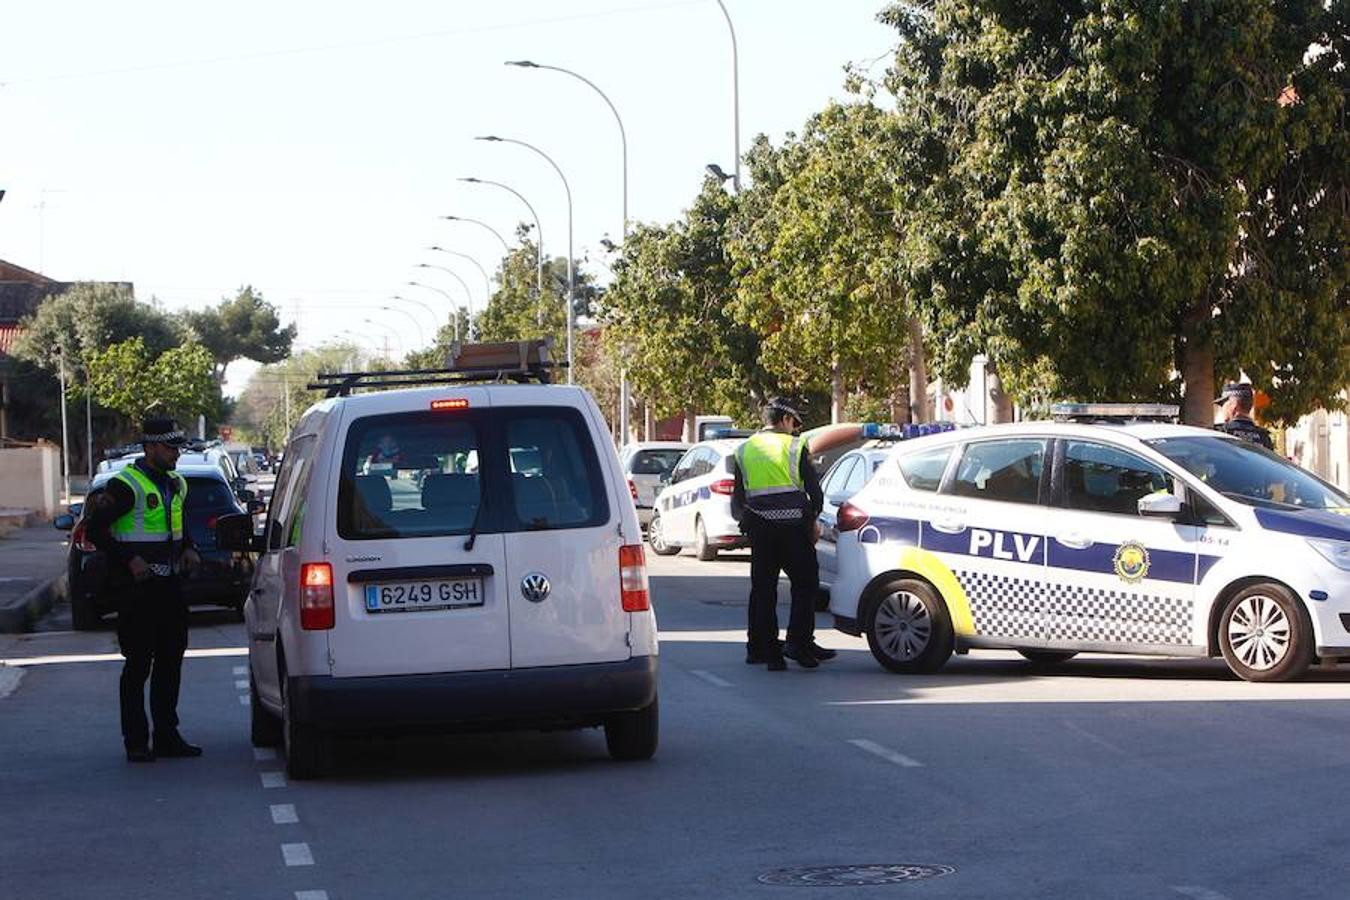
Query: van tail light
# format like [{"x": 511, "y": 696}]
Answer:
[
  {"x": 80, "y": 539},
  {"x": 632, "y": 488},
  {"x": 633, "y": 578},
  {"x": 725, "y": 486},
  {"x": 316, "y": 596},
  {"x": 850, "y": 518}
]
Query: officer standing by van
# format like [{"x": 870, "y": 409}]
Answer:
[
  {"x": 1237, "y": 400},
  {"x": 137, "y": 523},
  {"x": 776, "y": 497}
]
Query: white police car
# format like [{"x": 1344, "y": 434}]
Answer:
[
  {"x": 1053, "y": 538},
  {"x": 841, "y": 482},
  {"x": 694, "y": 509}
]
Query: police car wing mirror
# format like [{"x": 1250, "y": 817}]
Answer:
[
  {"x": 64, "y": 522},
  {"x": 235, "y": 532},
  {"x": 1166, "y": 506}
]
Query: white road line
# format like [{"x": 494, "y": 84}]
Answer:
[
  {"x": 264, "y": 754},
  {"x": 284, "y": 814},
  {"x": 241, "y": 683},
  {"x": 885, "y": 753},
  {"x": 1198, "y": 893},
  {"x": 1099, "y": 741},
  {"x": 243, "y": 699},
  {"x": 710, "y": 678},
  {"x": 240, "y": 670},
  {"x": 203, "y": 653},
  {"x": 311, "y": 895},
  {"x": 273, "y": 779},
  {"x": 297, "y": 855}
]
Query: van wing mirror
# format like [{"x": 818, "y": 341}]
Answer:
[
  {"x": 64, "y": 522},
  {"x": 234, "y": 532},
  {"x": 1165, "y": 506}
]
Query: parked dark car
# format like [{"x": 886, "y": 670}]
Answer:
[{"x": 223, "y": 578}]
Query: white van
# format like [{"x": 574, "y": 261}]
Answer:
[{"x": 451, "y": 558}]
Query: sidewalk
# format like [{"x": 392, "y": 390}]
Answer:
[{"x": 32, "y": 573}]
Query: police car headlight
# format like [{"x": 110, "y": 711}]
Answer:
[{"x": 1335, "y": 552}]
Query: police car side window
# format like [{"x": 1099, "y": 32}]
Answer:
[
  {"x": 857, "y": 477},
  {"x": 1100, "y": 478},
  {"x": 834, "y": 483},
  {"x": 1009, "y": 471},
  {"x": 923, "y": 471}
]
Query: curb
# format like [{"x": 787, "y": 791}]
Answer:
[{"x": 18, "y": 616}]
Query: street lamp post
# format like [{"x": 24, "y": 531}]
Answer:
[
  {"x": 402, "y": 347},
  {"x": 571, "y": 273},
  {"x": 487, "y": 281},
  {"x": 538, "y": 229},
  {"x": 431, "y": 312},
  {"x": 735, "y": 98},
  {"x": 421, "y": 335},
  {"x": 454, "y": 308},
  {"x": 495, "y": 233}
]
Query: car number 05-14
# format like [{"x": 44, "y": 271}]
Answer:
[{"x": 413, "y": 596}]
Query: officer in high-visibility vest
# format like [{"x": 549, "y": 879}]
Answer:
[
  {"x": 137, "y": 522},
  {"x": 776, "y": 498}
]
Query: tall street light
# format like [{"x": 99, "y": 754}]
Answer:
[
  {"x": 487, "y": 282},
  {"x": 538, "y": 230},
  {"x": 454, "y": 308},
  {"x": 431, "y": 312},
  {"x": 421, "y": 335},
  {"x": 495, "y": 233},
  {"x": 402, "y": 347},
  {"x": 735, "y": 98},
  {"x": 571, "y": 273}
]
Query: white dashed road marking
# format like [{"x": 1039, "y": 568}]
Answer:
[
  {"x": 243, "y": 699},
  {"x": 311, "y": 895},
  {"x": 264, "y": 754},
  {"x": 710, "y": 678},
  {"x": 297, "y": 855},
  {"x": 885, "y": 753},
  {"x": 241, "y": 670},
  {"x": 273, "y": 779},
  {"x": 1198, "y": 893},
  {"x": 242, "y": 684},
  {"x": 284, "y": 814}
]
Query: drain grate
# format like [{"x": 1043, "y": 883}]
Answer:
[{"x": 853, "y": 876}]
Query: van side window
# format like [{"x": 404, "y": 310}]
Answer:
[
  {"x": 923, "y": 471},
  {"x": 1009, "y": 470},
  {"x": 1098, "y": 478},
  {"x": 282, "y": 508},
  {"x": 555, "y": 474}
]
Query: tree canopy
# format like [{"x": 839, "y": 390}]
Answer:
[{"x": 241, "y": 327}]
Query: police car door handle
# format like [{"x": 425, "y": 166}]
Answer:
[
  {"x": 948, "y": 526},
  {"x": 1074, "y": 540}
]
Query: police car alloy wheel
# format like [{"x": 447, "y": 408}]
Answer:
[
  {"x": 908, "y": 629},
  {"x": 656, "y": 536},
  {"x": 1265, "y": 634},
  {"x": 706, "y": 551}
]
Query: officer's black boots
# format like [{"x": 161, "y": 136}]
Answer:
[
  {"x": 803, "y": 655},
  {"x": 139, "y": 755},
  {"x": 174, "y": 746}
]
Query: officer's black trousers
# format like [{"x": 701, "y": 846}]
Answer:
[
  {"x": 774, "y": 548},
  {"x": 152, "y": 628}
]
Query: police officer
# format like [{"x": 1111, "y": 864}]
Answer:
[
  {"x": 137, "y": 522},
  {"x": 1237, "y": 400},
  {"x": 776, "y": 497}
]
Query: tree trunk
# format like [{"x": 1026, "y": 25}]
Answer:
[
  {"x": 648, "y": 426},
  {"x": 836, "y": 394},
  {"x": 689, "y": 437},
  {"x": 1197, "y": 369},
  {"x": 900, "y": 403},
  {"x": 918, "y": 372},
  {"x": 1000, "y": 403}
]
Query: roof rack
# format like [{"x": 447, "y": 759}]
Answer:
[
  {"x": 519, "y": 361},
  {"x": 1115, "y": 413}
]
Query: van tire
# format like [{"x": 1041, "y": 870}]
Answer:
[
  {"x": 907, "y": 626},
  {"x": 307, "y": 748},
  {"x": 706, "y": 552},
  {"x": 1284, "y": 616},
  {"x": 264, "y": 728},
  {"x": 633, "y": 735},
  {"x": 656, "y": 536},
  {"x": 1047, "y": 658}
]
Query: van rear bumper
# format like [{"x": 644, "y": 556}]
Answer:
[{"x": 545, "y": 697}]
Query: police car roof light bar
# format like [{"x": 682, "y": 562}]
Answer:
[{"x": 1115, "y": 413}]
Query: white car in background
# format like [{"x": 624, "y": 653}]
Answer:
[
  {"x": 646, "y": 464},
  {"x": 694, "y": 509}
]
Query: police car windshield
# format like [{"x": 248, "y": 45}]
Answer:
[{"x": 1250, "y": 474}]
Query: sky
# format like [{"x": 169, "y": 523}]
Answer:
[{"x": 308, "y": 148}]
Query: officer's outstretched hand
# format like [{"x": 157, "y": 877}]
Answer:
[
  {"x": 192, "y": 560},
  {"x": 140, "y": 570}
]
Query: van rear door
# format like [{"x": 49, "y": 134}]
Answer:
[
  {"x": 562, "y": 537},
  {"x": 411, "y": 595}
]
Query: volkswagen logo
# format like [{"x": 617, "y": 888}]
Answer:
[{"x": 535, "y": 588}]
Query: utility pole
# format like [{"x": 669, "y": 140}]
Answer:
[
  {"x": 65, "y": 429},
  {"x": 89, "y": 427}
]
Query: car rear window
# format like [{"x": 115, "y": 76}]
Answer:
[
  {"x": 208, "y": 493},
  {"x": 446, "y": 473},
  {"x": 654, "y": 462}
]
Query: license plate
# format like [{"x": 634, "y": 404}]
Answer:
[{"x": 416, "y": 596}]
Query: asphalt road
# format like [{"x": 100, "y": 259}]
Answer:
[{"x": 1110, "y": 777}]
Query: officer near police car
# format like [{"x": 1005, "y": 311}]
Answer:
[
  {"x": 1236, "y": 402},
  {"x": 137, "y": 523},
  {"x": 776, "y": 497}
]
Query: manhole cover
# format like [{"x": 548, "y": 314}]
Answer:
[{"x": 853, "y": 876}]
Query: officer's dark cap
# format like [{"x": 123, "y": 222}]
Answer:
[
  {"x": 1239, "y": 389},
  {"x": 778, "y": 407},
  {"x": 159, "y": 430}
]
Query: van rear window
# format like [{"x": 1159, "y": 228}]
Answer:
[{"x": 428, "y": 474}]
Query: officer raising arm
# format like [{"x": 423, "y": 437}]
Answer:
[
  {"x": 776, "y": 498},
  {"x": 1237, "y": 400},
  {"x": 137, "y": 523}
]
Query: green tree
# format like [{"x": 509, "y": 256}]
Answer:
[
  {"x": 127, "y": 378},
  {"x": 88, "y": 317},
  {"x": 242, "y": 327},
  {"x": 1119, "y": 193},
  {"x": 276, "y": 397}
]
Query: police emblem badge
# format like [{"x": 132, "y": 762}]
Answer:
[
  {"x": 152, "y": 501},
  {"x": 1131, "y": 562}
]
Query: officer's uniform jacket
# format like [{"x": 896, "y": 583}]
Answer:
[{"x": 774, "y": 480}]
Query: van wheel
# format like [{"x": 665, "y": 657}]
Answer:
[
  {"x": 264, "y": 728},
  {"x": 705, "y": 551},
  {"x": 307, "y": 748},
  {"x": 907, "y": 626},
  {"x": 1046, "y": 658},
  {"x": 656, "y": 536},
  {"x": 1265, "y": 634},
  {"x": 633, "y": 735}
]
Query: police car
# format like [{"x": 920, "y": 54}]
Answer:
[
  {"x": 841, "y": 482},
  {"x": 694, "y": 509},
  {"x": 1054, "y": 538}
]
